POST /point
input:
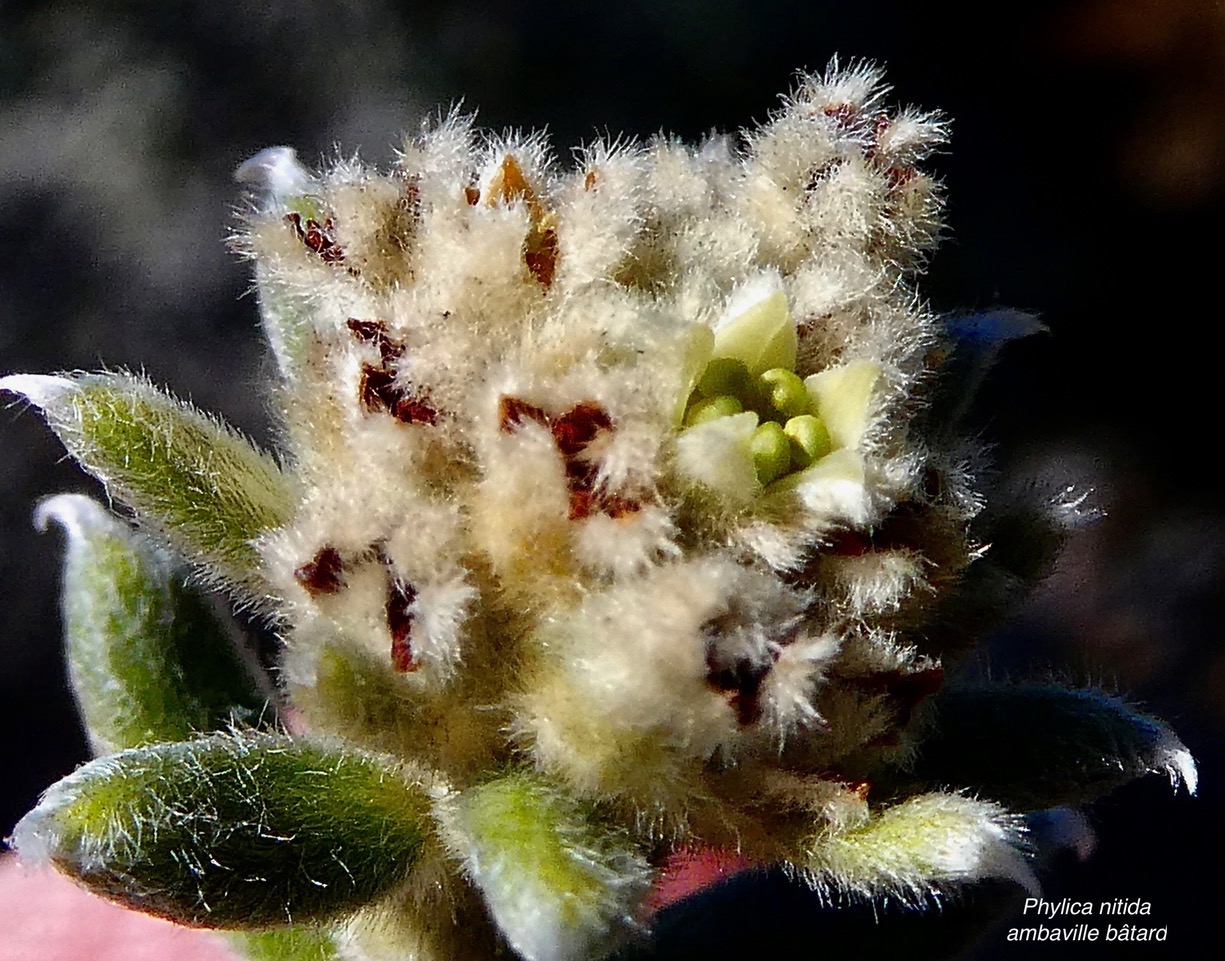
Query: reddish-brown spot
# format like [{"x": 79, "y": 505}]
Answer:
[
  {"x": 578, "y": 427},
  {"x": 375, "y": 332},
  {"x": 368, "y": 331},
  {"x": 472, "y": 195},
  {"x": 580, "y": 481},
  {"x": 410, "y": 196},
  {"x": 540, "y": 254},
  {"x": 540, "y": 246},
  {"x": 879, "y": 125},
  {"x": 572, "y": 431},
  {"x": 323, "y": 573},
  {"x": 591, "y": 180},
  {"x": 849, "y": 544},
  {"x": 582, "y": 502},
  {"x": 317, "y": 237},
  {"x": 400, "y": 623},
  {"x": 740, "y": 680},
  {"x": 842, "y": 114},
  {"x": 377, "y": 388},
  {"x": 615, "y": 506},
  {"x": 379, "y": 391},
  {"x": 513, "y": 412},
  {"x": 900, "y": 176}
]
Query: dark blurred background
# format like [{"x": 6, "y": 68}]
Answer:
[{"x": 1086, "y": 178}]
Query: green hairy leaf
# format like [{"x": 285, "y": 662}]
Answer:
[
  {"x": 148, "y": 658},
  {"x": 1062, "y": 746},
  {"x": 557, "y": 883},
  {"x": 288, "y": 944},
  {"x": 196, "y": 479},
  {"x": 237, "y": 831},
  {"x": 920, "y": 846}
]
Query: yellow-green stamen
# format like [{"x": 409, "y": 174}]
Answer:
[
  {"x": 723, "y": 405},
  {"x": 771, "y": 452},
  {"x": 809, "y": 439}
]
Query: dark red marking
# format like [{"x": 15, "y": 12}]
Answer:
[
  {"x": 849, "y": 544},
  {"x": 842, "y": 114},
  {"x": 741, "y": 680},
  {"x": 513, "y": 412},
  {"x": 615, "y": 506},
  {"x": 375, "y": 332},
  {"x": 578, "y": 427},
  {"x": 582, "y": 503},
  {"x": 472, "y": 195},
  {"x": 379, "y": 391},
  {"x": 572, "y": 432},
  {"x": 323, "y": 573},
  {"x": 580, "y": 480},
  {"x": 400, "y": 623},
  {"x": 900, "y": 176},
  {"x": 860, "y": 788},
  {"x": 317, "y": 237},
  {"x": 368, "y": 331},
  {"x": 879, "y": 126},
  {"x": 410, "y": 196}
]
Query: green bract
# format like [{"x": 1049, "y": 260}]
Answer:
[
  {"x": 233, "y": 830},
  {"x": 149, "y": 659}
]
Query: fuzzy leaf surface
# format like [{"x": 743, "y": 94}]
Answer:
[
  {"x": 148, "y": 658},
  {"x": 918, "y": 848},
  {"x": 287, "y": 944},
  {"x": 232, "y": 831},
  {"x": 1040, "y": 746},
  {"x": 556, "y": 883},
  {"x": 196, "y": 479}
]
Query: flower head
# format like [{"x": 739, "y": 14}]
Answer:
[{"x": 616, "y": 516}]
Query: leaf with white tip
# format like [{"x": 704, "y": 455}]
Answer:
[
  {"x": 560, "y": 887},
  {"x": 920, "y": 848},
  {"x": 1039, "y": 745},
  {"x": 975, "y": 341},
  {"x": 232, "y": 831},
  {"x": 200, "y": 482},
  {"x": 148, "y": 658},
  {"x": 275, "y": 174}
]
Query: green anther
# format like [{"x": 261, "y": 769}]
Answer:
[
  {"x": 771, "y": 452},
  {"x": 723, "y": 405},
  {"x": 809, "y": 440},
  {"x": 785, "y": 392},
  {"x": 725, "y": 375}
]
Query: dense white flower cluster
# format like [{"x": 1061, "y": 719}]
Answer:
[
  {"x": 613, "y": 446},
  {"x": 615, "y": 517}
]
